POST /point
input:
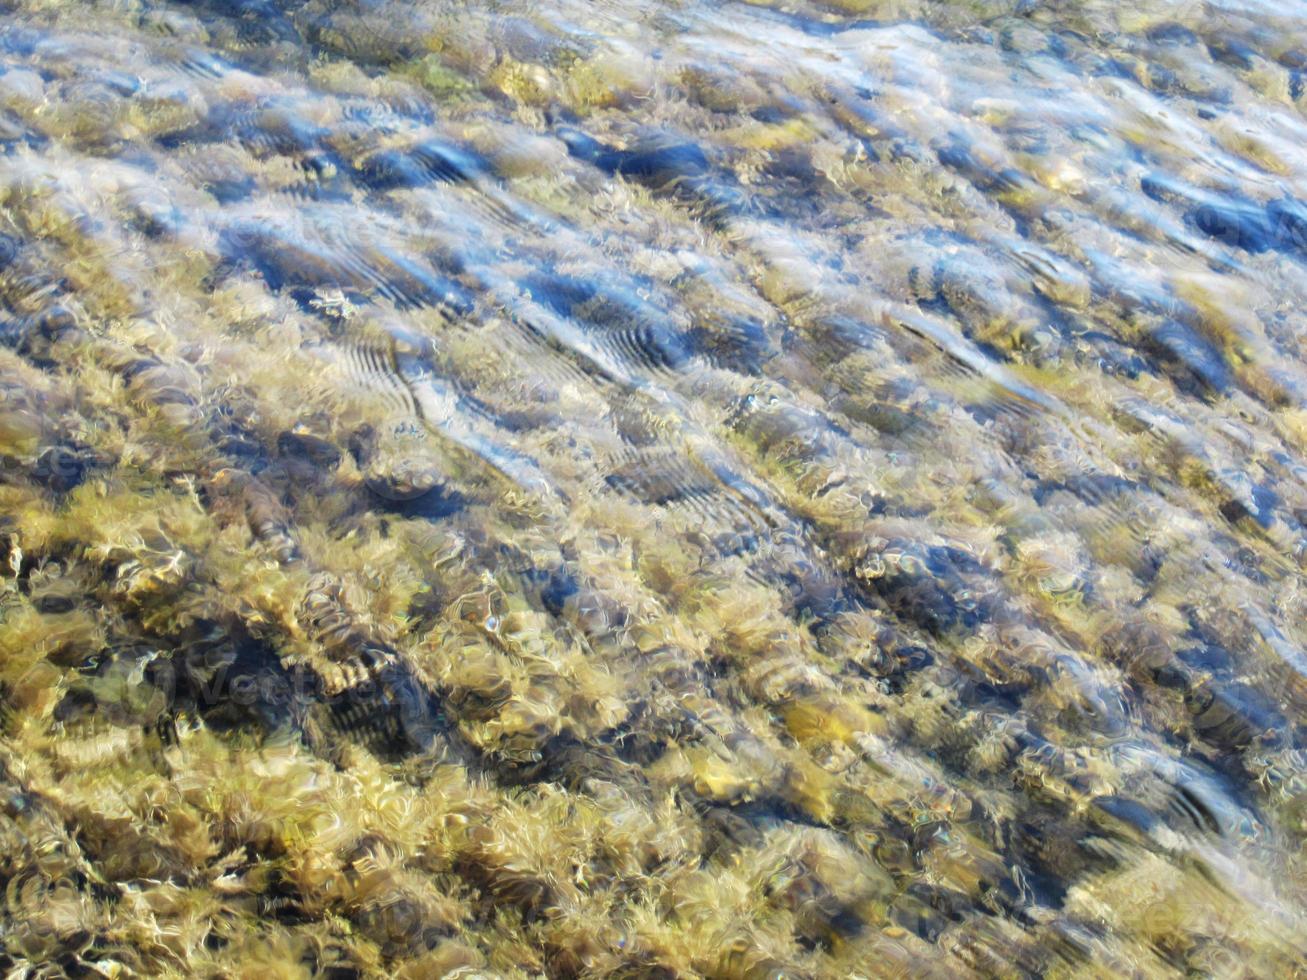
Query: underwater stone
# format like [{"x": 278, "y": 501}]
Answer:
[{"x": 1237, "y": 225}]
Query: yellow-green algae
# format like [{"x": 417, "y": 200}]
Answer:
[{"x": 651, "y": 490}]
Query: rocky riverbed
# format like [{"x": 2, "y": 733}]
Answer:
[{"x": 653, "y": 489}]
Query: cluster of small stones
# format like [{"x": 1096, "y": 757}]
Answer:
[{"x": 730, "y": 490}]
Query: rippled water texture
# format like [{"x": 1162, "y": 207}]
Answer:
[{"x": 653, "y": 489}]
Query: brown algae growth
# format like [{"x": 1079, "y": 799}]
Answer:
[{"x": 652, "y": 490}]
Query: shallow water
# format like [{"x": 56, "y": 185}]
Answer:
[{"x": 653, "y": 489}]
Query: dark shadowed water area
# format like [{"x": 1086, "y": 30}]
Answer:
[{"x": 666, "y": 489}]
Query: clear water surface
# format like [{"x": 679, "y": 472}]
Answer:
[{"x": 653, "y": 489}]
